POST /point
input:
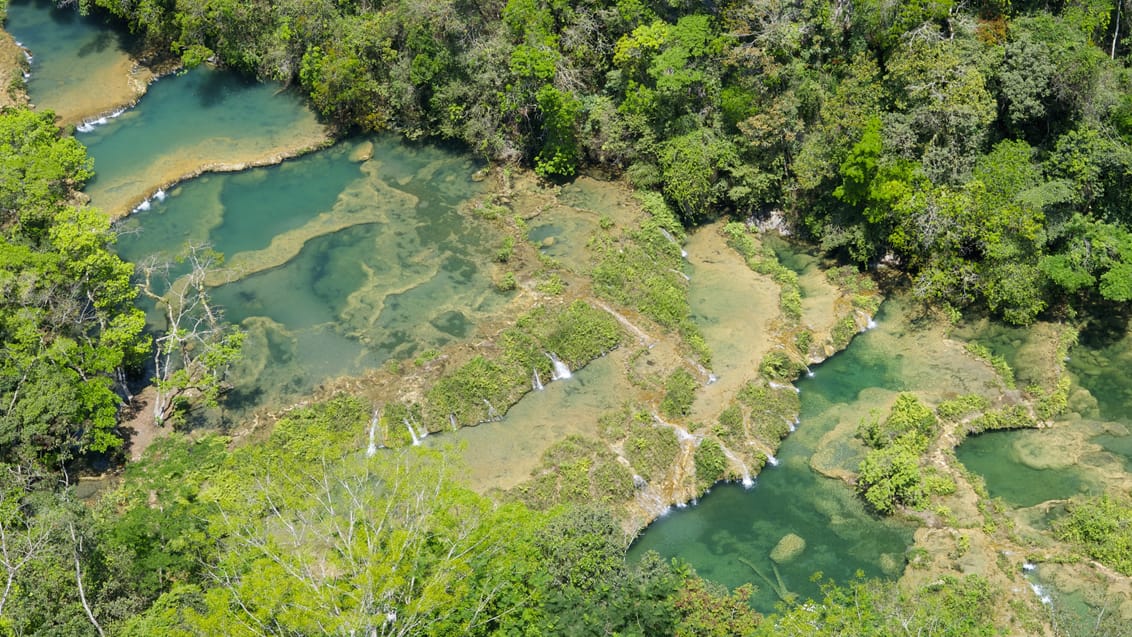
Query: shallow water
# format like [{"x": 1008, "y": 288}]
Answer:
[
  {"x": 1101, "y": 364},
  {"x": 335, "y": 265},
  {"x": 502, "y": 454},
  {"x": 81, "y": 66},
  {"x": 204, "y": 119},
  {"x": 841, "y": 536},
  {"x": 1028, "y": 467},
  {"x": 1000, "y": 457}
]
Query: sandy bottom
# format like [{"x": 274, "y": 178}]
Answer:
[{"x": 735, "y": 308}]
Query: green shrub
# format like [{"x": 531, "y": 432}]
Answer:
[
  {"x": 679, "y": 393},
  {"x": 803, "y": 340},
  {"x": 843, "y": 332},
  {"x": 506, "y": 283},
  {"x": 778, "y": 366},
  {"x": 506, "y": 250},
  {"x": 652, "y": 449},
  {"x": 964, "y": 405},
  {"x": 552, "y": 284},
  {"x": 711, "y": 463},
  {"x": 1015, "y": 417},
  {"x": 731, "y": 421},
  {"x": 890, "y": 476},
  {"x": 1102, "y": 528},
  {"x": 908, "y": 414}
]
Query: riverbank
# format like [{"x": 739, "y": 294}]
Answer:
[{"x": 13, "y": 65}]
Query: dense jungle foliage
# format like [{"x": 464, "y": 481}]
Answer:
[
  {"x": 983, "y": 146},
  {"x": 302, "y": 535}
]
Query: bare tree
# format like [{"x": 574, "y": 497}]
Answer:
[
  {"x": 194, "y": 353},
  {"x": 25, "y": 537},
  {"x": 359, "y": 548}
]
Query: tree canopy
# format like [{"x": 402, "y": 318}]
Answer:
[{"x": 68, "y": 326}]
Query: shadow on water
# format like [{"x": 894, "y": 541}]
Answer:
[{"x": 215, "y": 88}]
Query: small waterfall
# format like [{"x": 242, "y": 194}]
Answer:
[
  {"x": 745, "y": 473},
  {"x": 794, "y": 424},
  {"x": 561, "y": 370},
  {"x": 1043, "y": 596},
  {"x": 771, "y": 460},
  {"x": 491, "y": 413},
  {"x": 711, "y": 378},
  {"x": 452, "y": 421},
  {"x": 809, "y": 372},
  {"x": 412, "y": 433},
  {"x": 372, "y": 448},
  {"x": 536, "y": 382},
  {"x": 1029, "y": 566},
  {"x": 774, "y": 385},
  {"x": 672, "y": 240},
  {"x": 89, "y": 125}
]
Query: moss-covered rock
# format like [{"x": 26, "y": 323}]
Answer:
[{"x": 788, "y": 548}]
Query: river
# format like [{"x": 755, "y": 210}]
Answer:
[{"x": 346, "y": 258}]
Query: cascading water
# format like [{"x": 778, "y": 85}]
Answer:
[
  {"x": 536, "y": 382},
  {"x": 452, "y": 421},
  {"x": 89, "y": 125},
  {"x": 372, "y": 448},
  {"x": 745, "y": 476},
  {"x": 672, "y": 240},
  {"x": 491, "y": 413},
  {"x": 771, "y": 460},
  {"x": 412, "y": 433},
  {"x": 561, "y": 370}
]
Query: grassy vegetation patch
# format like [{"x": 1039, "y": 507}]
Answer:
[
  {"x": 711, "y": 463},
  {"x": 652, "y": 450},
  {"x": 1101, "y": 527},
  {"x": 1015, "y": 417},
  {"x": 771, "y": 410},
  {"x": 679, "y": 393},
  {"x": 577, "y": 470},
  {"x": 487, "y": 385},
  {"x": 641, "y": 269},
  {"x": 964, "y": 405}
]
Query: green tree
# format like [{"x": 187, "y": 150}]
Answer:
[{"x": 68, "y": 328}]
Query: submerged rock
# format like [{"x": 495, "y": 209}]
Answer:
[
  {"x": 788, "y": 548},
  {"x": 364, "y": 152}
]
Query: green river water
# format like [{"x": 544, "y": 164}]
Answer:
[
  {"x": 733, "y": 526},
  {"x": 347, "y": 257}
]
